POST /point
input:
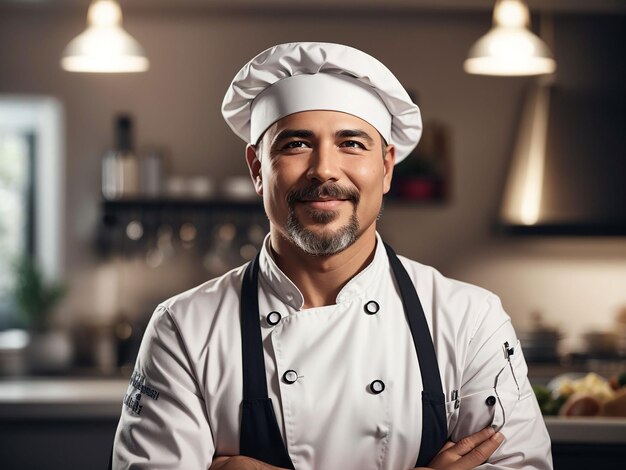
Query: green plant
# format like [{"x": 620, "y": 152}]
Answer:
[{"x": 35, "y": 298}]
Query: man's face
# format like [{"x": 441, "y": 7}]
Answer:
[{"x": 322, "y": 175}]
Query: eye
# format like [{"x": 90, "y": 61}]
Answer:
[
  {"x": 295, "y": 144},
  {"x": 353, "y": 144}
]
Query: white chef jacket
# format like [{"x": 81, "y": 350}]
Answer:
[{"x": 182, "y": 407}]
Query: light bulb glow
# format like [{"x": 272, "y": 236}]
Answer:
[
  {"x": 511, "y": 14},
  {"x": 509, "y": 51},
  {"x": 510, "y": 48},
  {"x": 119, "y": 64},
  {"x": 104, "y": 46},
  {"x": 488, "y": 66},
  {"x": 511, "y": 45},
  {"x": 104, "y": 13}
]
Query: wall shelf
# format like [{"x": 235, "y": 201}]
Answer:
[
  {"x": 136, "y": 226},
  {"x": 181, "y": 203}
]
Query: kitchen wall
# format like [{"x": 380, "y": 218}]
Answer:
[{"x": 578, "y": 283}]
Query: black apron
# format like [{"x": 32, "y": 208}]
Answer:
[{"x": 260, "y": 435}]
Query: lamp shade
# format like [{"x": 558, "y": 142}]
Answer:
[
  {"x": 104, "y": 46},
  {"x": 510, "y": 48}
]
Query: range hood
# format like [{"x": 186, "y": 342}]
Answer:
[{"x": 568, "y": 171}]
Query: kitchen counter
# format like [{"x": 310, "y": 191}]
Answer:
[
  {"x": 587, "y": 430},
  {"x": 59, "y": 423},
  {"x": 61, "y": 398}
]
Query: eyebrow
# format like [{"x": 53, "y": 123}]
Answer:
[
  {"x": 307, "y": 134},
  {"x": 354, "y": 133},
  {"x": 289, "y": 133}
]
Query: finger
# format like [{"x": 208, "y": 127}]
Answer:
[
  {"x": 218, "y": 463},
  {"x": 470, "y": 442},
  {"x": 479, "y": 454},
  {"x": 446, "y": 446}
]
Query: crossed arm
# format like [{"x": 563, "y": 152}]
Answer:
[{"x": 463, "y": 455}]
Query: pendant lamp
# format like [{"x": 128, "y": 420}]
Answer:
[
  {"x": 510, "y": 48},
  {"x": 104, "y": 46}
]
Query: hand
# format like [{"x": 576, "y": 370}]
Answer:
[
  {"x": 468, "y": 453},
  {"x": 239, "y": 462}
]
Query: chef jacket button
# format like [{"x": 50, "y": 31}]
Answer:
[
  {"x": 273, "y": 318},
  {"x": 377, "y": 386},
  {"x": 382, "y": 431},
  {"x": 490, "y": 401},
  {"x": 371, "y": 307},
  {"x": 290, "y": 376}
]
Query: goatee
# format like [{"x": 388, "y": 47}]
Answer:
[{"x": 326, "y": 242}]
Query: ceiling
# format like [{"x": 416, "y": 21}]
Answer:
[{"x": 569, "y": 6}]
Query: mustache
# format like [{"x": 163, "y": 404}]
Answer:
[{"x": 318, "y": 191}]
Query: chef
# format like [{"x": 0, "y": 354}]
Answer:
[{"x": 328, "y": 350}]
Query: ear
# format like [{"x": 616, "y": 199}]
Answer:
[
  {"x": 254, "y": 165},
  {"x": 388, "y": 164}
]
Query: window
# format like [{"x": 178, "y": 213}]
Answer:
[
  {"x": 31, "y": 172},
  {"x": 16, "y": 208}
]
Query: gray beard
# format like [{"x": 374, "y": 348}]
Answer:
[{"x": 323, "y": 244}]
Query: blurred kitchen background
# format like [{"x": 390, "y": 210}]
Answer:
[{"x": 119, "y": 190}]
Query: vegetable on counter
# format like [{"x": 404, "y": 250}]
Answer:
[
  {"x": 618, "y": 382},
  {"x": 548, "y": 403},
  {"x": 591, "y": 395}
]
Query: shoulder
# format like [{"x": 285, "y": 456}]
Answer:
[
  {"x": 429, "y": 280},
  {"x": 455, "y": 303},
  {"x": 198, "y": 308}
]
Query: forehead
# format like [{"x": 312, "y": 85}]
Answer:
[{"x": 320, "y": 122}]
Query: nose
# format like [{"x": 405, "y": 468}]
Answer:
[{"x": 324, "y": 164}]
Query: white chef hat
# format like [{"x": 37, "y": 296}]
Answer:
[{"x": 305, "y": 76}]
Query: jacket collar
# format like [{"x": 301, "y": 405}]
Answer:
[{"x": 360, "y": 285}]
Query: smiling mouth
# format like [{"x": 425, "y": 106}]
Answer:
[
  {"x": 322, "y": 198},
  {"x": 322, "y": 204}
]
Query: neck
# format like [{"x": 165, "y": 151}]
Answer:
[{"x": 320, "y": 278}]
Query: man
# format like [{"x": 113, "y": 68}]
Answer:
[{"x": 328, "y": 351}]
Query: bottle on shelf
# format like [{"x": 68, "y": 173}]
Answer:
[
  {"x": 151, "y": 169},
  {"x": 120, "y": 166}
]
